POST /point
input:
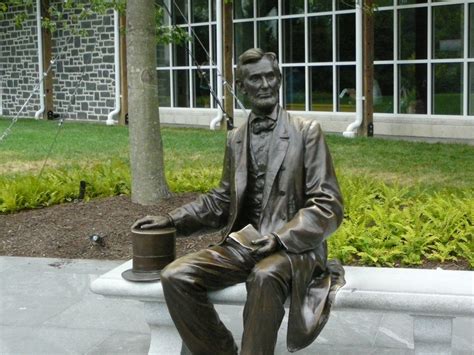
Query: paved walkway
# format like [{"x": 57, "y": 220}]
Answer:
[{"x": 46, "y": 308}]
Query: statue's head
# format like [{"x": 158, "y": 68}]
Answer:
[{"x": 258, "y": 77}]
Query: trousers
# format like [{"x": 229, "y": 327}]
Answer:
[{"x": 187, "y": 280}]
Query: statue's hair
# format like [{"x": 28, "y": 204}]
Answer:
[{"x": 253, "y": 55}]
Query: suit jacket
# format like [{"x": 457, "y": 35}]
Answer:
[{"x": 301, "y": 203}]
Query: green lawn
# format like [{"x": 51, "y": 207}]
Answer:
[
  {"x": 406, "y": 203},
  {"x": 436, "y": 166}
]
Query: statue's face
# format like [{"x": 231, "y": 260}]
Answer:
[{"x": 261, "y": 84}]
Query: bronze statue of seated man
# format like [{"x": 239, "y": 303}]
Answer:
[{"x": 279, "y": 200}]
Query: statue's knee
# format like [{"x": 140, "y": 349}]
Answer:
[
  {"x": 261, "y": 276},
  {"x": 172, "y": 274},
  {"x": 268, "y": 280}
]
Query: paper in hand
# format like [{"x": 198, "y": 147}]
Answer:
[{"x": 245, "y": 236}]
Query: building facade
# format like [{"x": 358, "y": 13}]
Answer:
[
  {"x": 423, "y": 63},
  {"x": 82, "y": 69}
]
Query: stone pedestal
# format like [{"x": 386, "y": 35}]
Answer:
[
  {"x": 164, "y": 337},
  {"x": 432, "y": 335}
]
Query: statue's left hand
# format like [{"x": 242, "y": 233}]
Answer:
[
  {"x": 153, "y": 222},
  {"x": 266, "y": 245}
]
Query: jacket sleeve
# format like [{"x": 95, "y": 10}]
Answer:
[
  {"x": 322, "y": 212},
  {"x": 210, "y": 209}
]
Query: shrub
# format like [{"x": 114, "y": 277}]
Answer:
[
  {"x": 391, "y": 225},
  {"x": 384, "y": 224}
]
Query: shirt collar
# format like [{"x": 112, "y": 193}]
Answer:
[{"x": 273, "y": 116}]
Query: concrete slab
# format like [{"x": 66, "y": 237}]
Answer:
[
  {"x": 34, "y": 297},
  {"x": 122, "y": 343},
  {"x": 76, "y": 266},
  {"x": 395, "y": 331},
  {"x": 46, "y": 307},
  {"x": 96, "y": 312},
  {"x": 48, "y": 340}
]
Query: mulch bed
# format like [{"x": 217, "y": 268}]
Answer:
[{"x": 64, "y": 231}]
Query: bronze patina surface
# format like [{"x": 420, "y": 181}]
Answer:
[
  {"x": 152, "y": 251},
  {"x": 277, "y": 202}
]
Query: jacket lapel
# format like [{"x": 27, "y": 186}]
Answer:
[
  {"x": 276, "y": 154},
  {"x": 241, "y": 148}
]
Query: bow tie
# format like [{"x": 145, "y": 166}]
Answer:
[{"x": 261, "y": 124}]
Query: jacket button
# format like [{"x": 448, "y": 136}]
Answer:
[{"x": 282, "y": 193}]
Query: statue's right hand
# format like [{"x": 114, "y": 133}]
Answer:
[{"x": 153, "y": 222}]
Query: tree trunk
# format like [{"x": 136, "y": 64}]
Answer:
[{"x": 146, "y": 148}]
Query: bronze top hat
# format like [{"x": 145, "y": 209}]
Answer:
[{"x": 152, "y": 251}]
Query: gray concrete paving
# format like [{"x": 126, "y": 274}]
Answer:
[{"x": 46, "y": 307}]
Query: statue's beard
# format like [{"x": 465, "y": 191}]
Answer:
[{"x": 265, "y": 105}]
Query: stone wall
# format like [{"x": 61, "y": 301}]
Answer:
[
  {"x": 89, "y": 57},
  {"x": 18, "y": 64}
]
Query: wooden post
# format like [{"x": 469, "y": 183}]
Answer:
[
  {"x": 367, "y": 126},
  {"x": 123, "y": 73},
  {"x": 47, "y": 56},
  {"x": 228, "y": 45}
]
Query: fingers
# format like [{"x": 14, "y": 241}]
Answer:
[
  {"x": 143, "y": 221},
  {"x": 260, "y": 241},
  {"x": 268, "y": 245},
  {"x": 151, "y": 222}
]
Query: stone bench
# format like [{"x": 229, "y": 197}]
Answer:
[{"x": 432, "y": 297}]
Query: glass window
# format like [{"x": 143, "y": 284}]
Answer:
[
  {"x": 320, "y": 38},
  {"x": 321, "y": 88},
  {"x": 165, "y": 16},
  {"x": 293, "y": 46},
  {"x": 214, "y": 86},
  {"x": 243, "y": 38},
  {"x": 383, "y": 88},
  {"x": 346, "y": 89},
  {"x": 381, "y": 3},
  {"x": 179, "y": 9},
  {"x": 412, "y": 88},
  {"x": 200, "y": 10},
  {"x": 447, "y": 83},
  {"x": 413, "y": 33},
  {"x": 319, "y": 5},
  {"x": 409, "y": 2},
  {"x": 181, "y": 88},
  {"x": 267, "y": 8},
  {"x": 214, "y": 44},
  {"x": 268, "y": 35},
  {"x": 448, "y": 31},
  {"x": 345, "y": 37},
  {"x": 200, "y": 40},
  {"x": 163, "y": 55},
  {"x": 345, "y": 4},
  {"x": 383, "y": 40},
  {"x": 294, "y": 88},
  {"x": 201, "y": 88},
  {"x": 292, "y": 7},
  {"x": 213, "y": 10},
  {"x": 164, "y": 95},
  {"x": 471, "y": 89},
  {"x": 471, "y": 30},
  {"x": 180, "y": 54},
  {"x": 243, "y": 8}
]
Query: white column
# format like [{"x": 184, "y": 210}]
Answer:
[{"x": 351, "y": 130}]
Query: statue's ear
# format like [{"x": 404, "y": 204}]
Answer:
[{"x": 240, "y": 87}]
